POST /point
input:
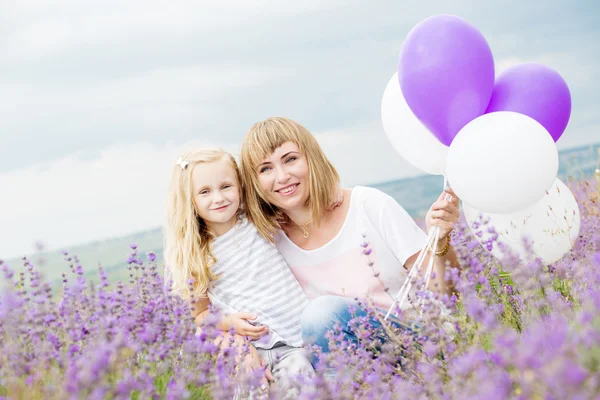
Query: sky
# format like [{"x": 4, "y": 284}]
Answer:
[{"x": 98, "y": 98}]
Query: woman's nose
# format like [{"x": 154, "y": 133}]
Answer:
[{"x": 282, "y": 175}]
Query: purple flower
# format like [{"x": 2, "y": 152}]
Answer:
[
  {"x": 574, "y": 374},
  {"x": 530, "y": 333},
  {"x": 73, "y": 349}
]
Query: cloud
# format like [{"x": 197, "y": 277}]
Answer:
[
  {"x": 363, "y": 155},
  {"x": 187, "y": 84},
  {"x": 178, "y": 102},
  {"x": 39, "y": 29},
  {"x": 89, "y": 75},
  {"x": 92, "y": 90},
  {"x": 77, "y": 199}
]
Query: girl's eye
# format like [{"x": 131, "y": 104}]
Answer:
[
  {"x": 226, "y": 186},
  {"x": 204, "y": 191}
]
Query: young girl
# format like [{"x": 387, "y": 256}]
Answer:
[{"x": 210, "y": 241}]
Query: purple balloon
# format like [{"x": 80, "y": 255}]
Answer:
[
  {"x": 536, "y": 91},
  {"x": 446, "y": 73}
]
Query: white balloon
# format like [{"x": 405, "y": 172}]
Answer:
[
  {"x": 408, "y": 136},
  {"x": 502, "y": 162},
  {"x": 550, "y": 227}
]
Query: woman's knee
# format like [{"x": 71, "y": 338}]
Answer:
[{"x": 322, "y": 312}]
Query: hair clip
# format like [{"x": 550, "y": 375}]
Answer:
[{"x": 182, "y": 163}]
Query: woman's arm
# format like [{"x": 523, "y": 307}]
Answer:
[
  {"x": 440, "y": 263},
  {"x": 438, "y": 282},
  {"x": 405, "y": 238},
  {"x": 443, "y": 214}
]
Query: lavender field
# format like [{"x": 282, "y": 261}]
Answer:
[{"x": 522, "y": 331}]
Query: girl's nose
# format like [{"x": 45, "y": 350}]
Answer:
[{"x": 218, "y": 197}]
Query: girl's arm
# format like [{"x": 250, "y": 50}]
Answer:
[
  {"x": 237, "y": 321},
  {"x": 200, "y": 310},
  {"x": 253, "y": 360}
]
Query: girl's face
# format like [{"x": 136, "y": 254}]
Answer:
[
  {"x": 216, "y": 194},
  {"x": 284, "y": 177}
]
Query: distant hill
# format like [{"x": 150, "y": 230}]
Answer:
[
  {"x": 111, "y": 254},
  {"x": 415, "y": 194}
]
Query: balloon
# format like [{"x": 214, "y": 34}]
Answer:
[
  {"x": 536, "y": 91},
  {"x": 408, "y": 135},
  {"x": 446, "y": 72},
  {"x": 550, "y": 227},
  {"x": 502, "y": 162}
]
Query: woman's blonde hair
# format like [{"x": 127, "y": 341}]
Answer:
[
  {"x": 260, "y": 142},
  {"x": 188, "y": 253}
]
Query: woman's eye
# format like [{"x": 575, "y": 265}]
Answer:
[
  {"x": 264, "y": 169},
  {"x": 291, "y": 159}
]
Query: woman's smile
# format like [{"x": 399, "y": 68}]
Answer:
[{"x": 288, "y": 190}]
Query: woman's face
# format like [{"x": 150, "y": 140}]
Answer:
[{"x": 283, "y": 177}]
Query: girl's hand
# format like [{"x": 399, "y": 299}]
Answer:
[
  {"x": 254, "y": 361},
  {"x": 443, "y": 213},
  {"x": 338, "y": 199},
  {"x": 239, "y": 322}
]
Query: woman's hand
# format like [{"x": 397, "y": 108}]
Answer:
[
  {"x": 443, "y": 213},
  {"x": 338, "y": 199},
  {"x": 239, "y": 322}
]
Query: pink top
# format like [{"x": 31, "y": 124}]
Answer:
[{"x": 340, "y": 267}]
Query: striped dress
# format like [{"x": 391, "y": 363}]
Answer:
[{"x": 253, "y": 277}]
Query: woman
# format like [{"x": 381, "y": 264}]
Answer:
[{"x": 289, "y": 183}]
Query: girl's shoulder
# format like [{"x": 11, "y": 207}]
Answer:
[
  {"x": 240, "y": 228},
  {"x": 246, "y": 228},
  {"x": 243, "y": 218}
]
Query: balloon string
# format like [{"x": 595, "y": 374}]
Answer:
[
  {"x": 432, "y": 240},
  {"x": 407, "y": 285}
]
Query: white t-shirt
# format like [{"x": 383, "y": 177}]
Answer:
[
  {"x": 340, "y": 267},
  {"x": 253, "y": 277}
]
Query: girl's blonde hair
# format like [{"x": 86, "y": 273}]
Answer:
[
  {"x": 188, "y": 253},
  {"x": 260, "y": 142}
]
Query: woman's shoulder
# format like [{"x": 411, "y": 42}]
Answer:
[
  {"x": 371, "y": 196},
  {"x": 375, "y": 203}
]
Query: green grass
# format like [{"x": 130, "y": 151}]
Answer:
[{"x": 161, "y": 382}]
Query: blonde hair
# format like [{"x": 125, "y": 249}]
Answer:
[
  {"x": 188, "y": 253},
  {"x": 260, "y": 142}
]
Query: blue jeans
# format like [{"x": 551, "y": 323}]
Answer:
[{"x": 322, "y": 314}]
